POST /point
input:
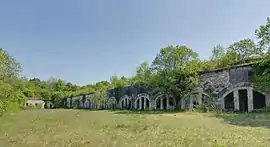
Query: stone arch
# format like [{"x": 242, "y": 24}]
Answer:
[
  {"x": 142, "y": 102},
  {"x": 164, "y": 102},
  {"x": 197, "y": 97},
  {"x": 112, "y": 103},
  {"x": 125, "y": 102},
  {"x": 242, "y": 97}
]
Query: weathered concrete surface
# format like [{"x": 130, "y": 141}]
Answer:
[{"x": 215, "y": 84}]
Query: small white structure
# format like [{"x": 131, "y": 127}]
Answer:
[{"x": 35, "y": 102}]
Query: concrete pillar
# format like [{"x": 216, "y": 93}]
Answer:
[
  {"x": 127, "y": 103},
  {"x": 156, "y": 103},
  {"x": 144, "y": 105},
  {"x": 250, "y": 99},
  {"x": 68, "y": 102},
  {"x": 267, "y": 99},
  {"x": 190, "y": 102},
  {"x": 150, "y": 106},
  {"x": 200, "y": 98},
  {"x": 236, "y": 100},
  {"x": 167, "y": 103},
  {"x": 140, "y": 103},
  {"x": 161, "y": 103},
  {"x": 182, "y": 103}
]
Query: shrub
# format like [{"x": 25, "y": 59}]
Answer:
[
  {"x": 265, "y": 109},
  {"x": 207, "y": 108}
]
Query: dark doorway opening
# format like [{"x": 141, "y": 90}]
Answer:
[
  {"x": 158, "y": 103},
  {"x": 147, "y": 103},
  {"x": 229, "y": 102},
  {"x": 258, "y": 100},
  {"x": 243, "y": 100},
  {"x": 142, "y": 99},
  {"x": 129, "y": 104},
  {"x": 138, "y": 104},
  {"x": 164, "y": 101},
  {"x": 194, "y": 104},
  {"x": 123, "y": 101}
]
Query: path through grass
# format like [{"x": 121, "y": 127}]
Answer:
[{"x": 59, "y": 128}]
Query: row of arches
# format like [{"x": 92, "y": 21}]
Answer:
[
  {"x": 243, "y": 99},
  {"x": 143, "y": 102},
  {"x": 236, "y": 98}
]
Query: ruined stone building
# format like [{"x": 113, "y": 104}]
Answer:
[{"x": 230, "y": 89}]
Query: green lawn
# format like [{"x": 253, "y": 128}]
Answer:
[{"x": 57, "y": 128}]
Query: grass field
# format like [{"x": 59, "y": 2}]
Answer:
[{"x": 58, "y": 128}]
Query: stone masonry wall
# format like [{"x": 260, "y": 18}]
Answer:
[{"x": 213, "y": 83}]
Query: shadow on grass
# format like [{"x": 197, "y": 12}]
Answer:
[{"x": 246, "y": 119}]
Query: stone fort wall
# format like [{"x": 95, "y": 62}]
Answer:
[{"x": 229, "y": 89}]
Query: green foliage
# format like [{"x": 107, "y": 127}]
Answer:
[
  {"x": 262, "y": 69},
  {"x": 118, "y": 84},
  {"x": 176, "y": 71},
  {"x": 217, "y": 52},
  {"x": 143, "y": 74},
  {"x": 243, "y": 49},
  {"x": 263, "y": 35},
  {"x": 261, "y": 75},
  {"x": 11, "y": 85},
  {"x": 100, "y": 97},
  {"x": 266, "y": 109},
  {"x": 205, "y": 108}
]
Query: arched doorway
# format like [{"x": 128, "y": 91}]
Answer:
[
  {"x": 163, "y": 102},
  {"x": 229, "y": 102},
  {"x": 243, "y": 99},
  {"x": 258, "y": 100},
  {"x": 125, "y": 103},
  {"x": 142, "y": 102}
]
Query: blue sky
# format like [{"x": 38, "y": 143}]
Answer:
[{"x": 86, "y": 41}]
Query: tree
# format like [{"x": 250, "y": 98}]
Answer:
[
  {"x": 9, "y": 67},
  {"x": 104, "y": 84},
  {"x": 60, "y": 86},
  {"x": 100, "y": 97},
  {"x": 143, "y": 74},
  {"x": 11, "y": 85},
  {"x": 176, "y": 71},
  {"x": 230, "y": 59},
  {"x": 261, "y": 76},
  {"x": 263, "y": 36},
  {"x": 217, "y": 52},
  {"x": 244, "y": 49}
]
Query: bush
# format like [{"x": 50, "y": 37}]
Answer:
[
  {"x": 207, "y": 108},
  {"x": 264, "y": 110}
]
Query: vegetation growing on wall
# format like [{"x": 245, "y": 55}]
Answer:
[
  {"x": 175, "y": 70},
  {"x": 262, "y": 69}
]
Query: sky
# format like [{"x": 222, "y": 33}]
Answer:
[{"x": 87, "y": 41}]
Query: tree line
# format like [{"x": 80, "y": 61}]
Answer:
[{"x": 175, "y": 70}]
